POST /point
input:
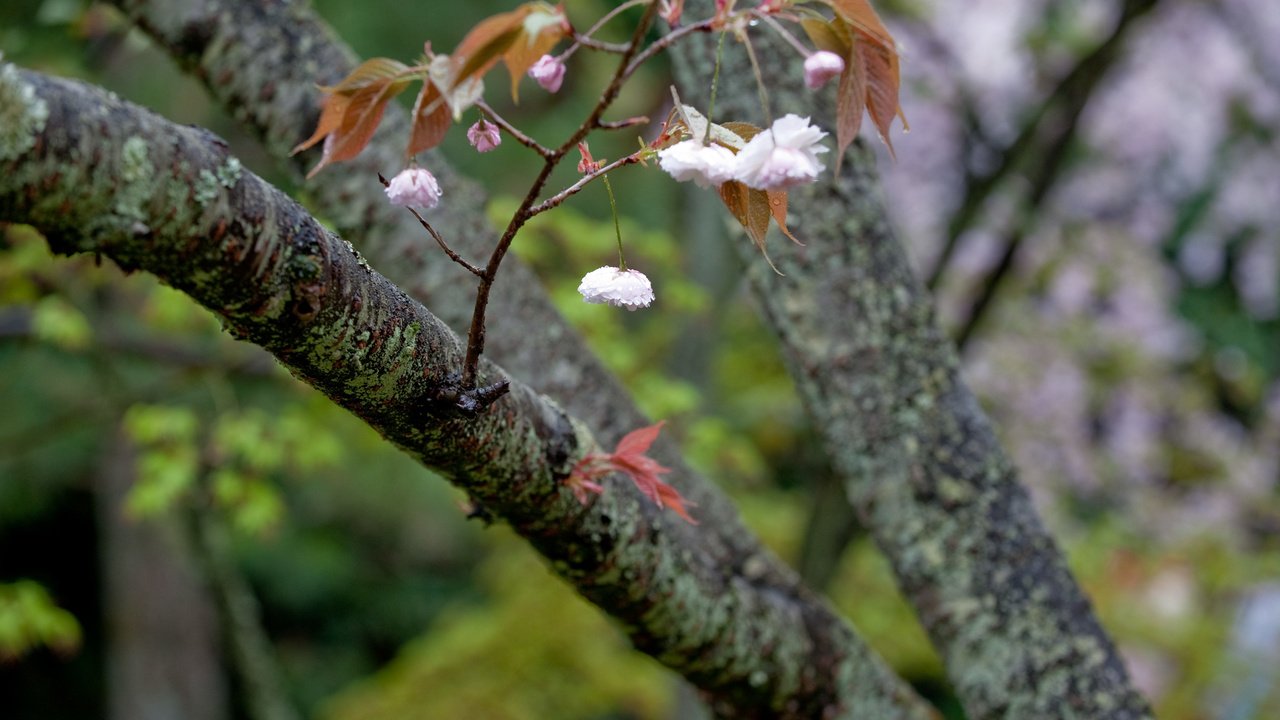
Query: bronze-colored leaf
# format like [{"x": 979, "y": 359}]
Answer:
[
  {"x": 540, "y": 31},
  {"x": 850, "y": 97},
  {"x": 361, "y": 117},
  {"x": 824, "y": 35},
  {"x": 881, "y": 64},
  {"x": 778, "y": 206},
  {"x": 862, "y": 16},
  {"x": 430, "y": 119},
  {"x": 371, "y": 72},
  {"x": 752, "y": 209},
  {"x": 486, "y": 43},
  {"x": 332, "y": 110}
]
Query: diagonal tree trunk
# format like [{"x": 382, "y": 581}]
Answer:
[
  {"x": 98, "y": 175},
  {"x": 920, "y": 461}
]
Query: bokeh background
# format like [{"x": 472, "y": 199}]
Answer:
[{"x": 1092, "y": 188}]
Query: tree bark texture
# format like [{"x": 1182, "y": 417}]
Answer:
[
  {"x": 921, "y": 462},
  {"x": 97, "y": 175}
]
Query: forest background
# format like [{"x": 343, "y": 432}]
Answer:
[{"x": 1089, "y": 187}]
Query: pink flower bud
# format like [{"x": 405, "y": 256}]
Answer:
[
  {"x": 620, "y": 288},
  {"x": 821, "y": 67},
  {"x": 484, "y": 136},
  {"x": 548, "y": 72},
  {"x": 414, "y": 187}
]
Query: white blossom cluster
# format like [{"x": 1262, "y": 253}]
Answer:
[{"x": 780, "y": 157}]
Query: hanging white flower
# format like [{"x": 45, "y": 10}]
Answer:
[
  {"x": 414, "y": 187},
  {"x": 706, "y": 165},
  {"x": 783, "y": 156},
  {"x": 628, "y": 289}
]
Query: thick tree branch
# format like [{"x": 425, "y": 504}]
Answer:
[
  {"x": 100, "y": 176},
  {"x": 920, "y": 461}
]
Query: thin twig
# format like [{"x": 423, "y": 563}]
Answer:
[
  {"x": 602, "y": 46},
  {"x": 623, "y": 124},
  {"x": 476, "y": 333},
  {"x": 667, "y": 41},
  {"x": 586, "y": 39},
  {"x": 454, "y": 256},
  {"x": 439, "y": 240},
  {"x": 555, "y": 200},
  {"x": 511, "y": 130}
]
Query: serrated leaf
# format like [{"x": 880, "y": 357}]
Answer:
[{"x": 430, "y": 119}]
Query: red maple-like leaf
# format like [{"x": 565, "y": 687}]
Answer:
[{"x": 629, "y": 458}]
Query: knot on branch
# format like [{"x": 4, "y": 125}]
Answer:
[{"x": 453, "y": 397}]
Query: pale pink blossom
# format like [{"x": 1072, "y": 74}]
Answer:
[
  {"x": 783, "y": 156},
  {"x": 548, "y": 72},
  {"x": 484, "y": 136},
  {"x": 706, "y": 165},
  {"x": 628, "y": 289},
  {"x": 414, "y": 187},
  {"x": 821, "y": 67}
]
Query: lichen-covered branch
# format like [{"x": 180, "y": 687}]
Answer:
[
  {"x": 97, "y": 175},
  {"x": 920, "y": 460}
]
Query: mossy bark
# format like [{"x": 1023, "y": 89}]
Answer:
[
  {"x": 921, "y": 463},
  {"x": 98, "y": 175}
]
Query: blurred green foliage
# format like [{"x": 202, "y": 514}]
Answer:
[{"x": 30, "y": 619}]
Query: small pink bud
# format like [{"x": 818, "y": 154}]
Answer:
[
  {"x": 414, "y": 187},
  {"x": 548, "y": 72},
  {"x": 821, "y": 67},
  {"x": 484, "y": 136},
  {"x": 670, "y": 10}
]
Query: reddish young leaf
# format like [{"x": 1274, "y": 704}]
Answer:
[
  {"x": 430, "y": 119},
  {"x": 332, "y": 109},
  {"x": 629, "y": 458},
  {"x": 881, "y": 63}
]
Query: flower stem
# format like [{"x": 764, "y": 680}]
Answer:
[
  {"x": 715, "y": 82},
  {"x": 755, "y": 67},
  {"x": 617, "y": 228}
]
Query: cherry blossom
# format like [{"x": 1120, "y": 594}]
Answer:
[
  {"x": 783, "y": 156},
  {"x": 706, "y": 165},
  {"x": 414, "y": 187},
  {"x": 629, "y": 289},
  {"x": 484, "y": 136},
  {"x": 548, "y": 72}
]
